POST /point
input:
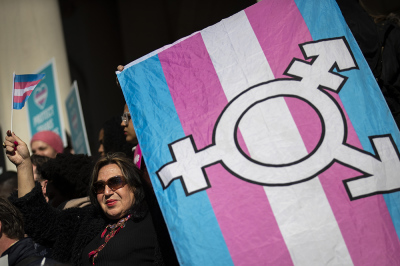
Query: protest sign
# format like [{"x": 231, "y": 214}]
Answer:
[
  {"x": 76, "y": 121},
  {"x": 44, "y": 109}
]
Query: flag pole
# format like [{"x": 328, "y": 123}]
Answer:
[{"x": 12, "y": 103}]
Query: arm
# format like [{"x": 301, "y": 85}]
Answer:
[
  {"x": 49, "y": 226},
  {"x": 18, "y": 153}
]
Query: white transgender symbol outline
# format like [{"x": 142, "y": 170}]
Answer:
[{"x": 380, "y": 172}]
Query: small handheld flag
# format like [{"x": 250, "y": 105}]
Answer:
[{"x": 23, "y": 87}]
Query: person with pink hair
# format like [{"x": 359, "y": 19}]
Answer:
[{"x": 47, "y": 143}]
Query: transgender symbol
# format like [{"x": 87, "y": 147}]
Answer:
[{"x": 379, "y": 171}]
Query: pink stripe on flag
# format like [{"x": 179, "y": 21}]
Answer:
[
  {"x": 251, "y": 234},
  {"x": 275, "y": 25},
  {"x": 20, "y": 99},
  {"x": 365, "y": 224},
  {"x": 23, "y": 85}
]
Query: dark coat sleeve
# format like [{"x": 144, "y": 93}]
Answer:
[
  {"x": 49, "y": 226},
  {"x": 39, "y": 217}
]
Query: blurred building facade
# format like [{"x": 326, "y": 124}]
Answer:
[{"x": 89, "y": 39}]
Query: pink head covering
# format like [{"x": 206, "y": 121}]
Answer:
[{"x": 51, "y": 139}]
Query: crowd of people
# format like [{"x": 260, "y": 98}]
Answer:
[
  {"x": 74, "y": 209},
  {"x": 60, "y": 208}
]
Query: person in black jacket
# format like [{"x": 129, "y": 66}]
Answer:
[
  {"x": 14, "y": 247},
  {"x": 116, "y": 229},
  {"x": 12, "y": 241}
]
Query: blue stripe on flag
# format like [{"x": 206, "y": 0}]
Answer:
[
  {"x": 152, "y": 109},
  {"x": 28, "y": 77},
  {"x": 358, "y": 85},
  {"x": 18, "y": 106}
]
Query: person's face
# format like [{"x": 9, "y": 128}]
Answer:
[
  {"x": 35, "y": 173},
  {"x": 129, "y": 131},
  {"x": 43, "y": 182},
  {"x": 101, "y": 146},
  {"x": 42, "y": 148},
  {"x": 115, "y": 204}
]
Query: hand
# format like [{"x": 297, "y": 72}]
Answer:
[
  {"x": 120, "y": 68},
  {"x": 16, "y": 150},
  {"x": 18, "y": 153}
]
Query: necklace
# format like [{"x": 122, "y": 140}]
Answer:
[{"x": 114, "y": 229}]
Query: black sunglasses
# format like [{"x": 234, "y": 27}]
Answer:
[{"x": 113, "y": 183}]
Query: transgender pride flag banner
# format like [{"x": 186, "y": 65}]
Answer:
[
  {"x": 268, "y": 141},
  {"x": 23, "y": 87}
]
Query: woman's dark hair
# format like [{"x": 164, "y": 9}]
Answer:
[
  {"x": 114, "y": 138},
  {"x": 132, "y": 177},
  {"x": 9, "y": 175},
  {"x": 12, "y": 224},
  {"x": 69, "y": 174},
  {"x": 39, "y": 159},
  {"x": 382, "y": 12}
]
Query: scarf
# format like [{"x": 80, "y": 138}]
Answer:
[{"x": 114, "y": 229}]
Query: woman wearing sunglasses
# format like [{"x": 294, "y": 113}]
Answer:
[{"x": 115, "y": 230}]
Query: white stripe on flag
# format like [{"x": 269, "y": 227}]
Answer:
[
  {"x": 20, "y": 92},
  {"x": 308, "y": 225},
  {"x": 302, "y": 211},
  {"x": 236, "y": 55}
]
